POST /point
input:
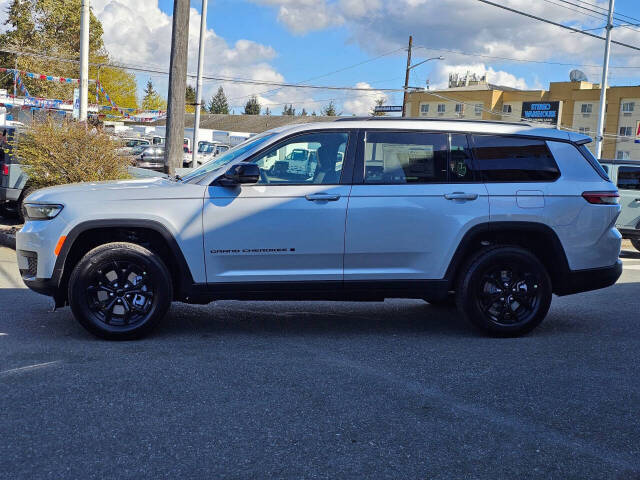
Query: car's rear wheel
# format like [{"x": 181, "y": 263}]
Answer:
[
  {"x": 504, "y": 291},
  {"x": 120, "y": 291},
  {"x": 636, "y": 243}
]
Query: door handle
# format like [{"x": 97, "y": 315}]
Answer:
[
  {"x": 322, "y": 197},
  {"x": 460, "y": 196}
]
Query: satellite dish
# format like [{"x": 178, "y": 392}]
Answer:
[{"x": 577, "y": 76}]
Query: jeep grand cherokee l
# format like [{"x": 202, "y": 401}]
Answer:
[{"x": 498, "y": 215}]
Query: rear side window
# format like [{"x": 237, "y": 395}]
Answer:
[
  {"x": 513, "y": 159},
  {"x": 629, "y": 178},
  {"x": 405, "y": 157}
]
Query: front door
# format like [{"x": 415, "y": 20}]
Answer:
[
  {"x": 290, "y": 225},
  {"x": 629, "y": 188},
  {"x": 414, "y": 196}
]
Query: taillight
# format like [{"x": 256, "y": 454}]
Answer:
[
  {"x": 5, "y": 169},
  {"x": 602, "y": 198}
]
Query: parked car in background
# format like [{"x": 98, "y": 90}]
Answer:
[
  {"x": 498, "y": 215},
  {"x": 626, "y": 175},
  {"x": 129, "y": 144},
  {"x": 152, "y": 158},
  {"x": 14, "y": 185}
]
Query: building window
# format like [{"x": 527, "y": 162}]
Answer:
[
  {"x": 424, "y": 109},
  {"x": 584, "y": 130},
  {"x": 506, "y": 108},
  {"x": 622, "y": 155},
  {"x": 459, "y": 108},
  {"x": 478, "y": 109},
  {"x": 628, "y": 107},
  {"x": 586, "y": 108},
  {"x": 441, "y": 108},
  {"x": 626, "y": 131}
]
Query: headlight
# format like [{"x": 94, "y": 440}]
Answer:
[{"x": 40, "y": 211}]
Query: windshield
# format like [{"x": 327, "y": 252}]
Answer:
[
  {"x": 228, "y": 156},
  {"x": 206, "y": 148}
]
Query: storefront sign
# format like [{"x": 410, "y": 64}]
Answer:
[{"x": 546, "y": 112}]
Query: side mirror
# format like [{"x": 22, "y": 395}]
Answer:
[{"x": 240, "y": 173}]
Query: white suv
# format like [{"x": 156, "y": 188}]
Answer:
[{"x": 498, "y": 216}]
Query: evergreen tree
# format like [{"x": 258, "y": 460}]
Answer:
[
  {"x": 190, "y": 99},
  {"x": 303, "y": 113},
  {"x": 379, "y": 103},
  {"x": 289, "y": 110},
  {"x": 252, "y": 106},
  {"x": 267, "y": 112},
  {"x": 218, "y": 103},
  {"x": 152, "y": 99},
  {"x": 329, "y": 110}
]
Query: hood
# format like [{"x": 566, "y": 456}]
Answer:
[{"x": 144, "y": 188}]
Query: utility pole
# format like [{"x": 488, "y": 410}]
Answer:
[
  {"x": 406, "y": 78},
  {"x": 603, "y": 84},
  {"x": 84, "y": 61},
  {"x": 173, "y": 151},
  {"x": 196, "y": 122}
]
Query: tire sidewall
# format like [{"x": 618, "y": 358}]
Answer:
[
  {"x": 78, "y": 298},
  {"x": 468, "y": 301}
]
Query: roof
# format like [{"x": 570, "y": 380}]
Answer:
[{"x": 435, "y": 125}]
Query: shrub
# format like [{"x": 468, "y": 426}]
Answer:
[{"x": 54, "y": 153}]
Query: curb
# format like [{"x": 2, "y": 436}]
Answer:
[{"x": 7, "y": 240}]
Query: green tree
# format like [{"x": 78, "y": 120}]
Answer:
[
  {"x": 303, "y": 113},
  {"x": 267, "y": 111},
  {"x": 218, "y": 103},
  {"x": 190, "y": 99},
  {"x": 152, "y": 99},
  {"x": 252, "y": 106},
  {"x": 288, "y": 110},
  {"x": 52, "y": 27},
  {"x": 329, "y": 110},
  {"x": 378, "y": 103}
]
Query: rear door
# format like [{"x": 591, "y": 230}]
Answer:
[
  {"x": 628, "y": 180},
  {"x": 414, "y": 196}
]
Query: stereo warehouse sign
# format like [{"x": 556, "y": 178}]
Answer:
[{"x": 546, "y": 112}]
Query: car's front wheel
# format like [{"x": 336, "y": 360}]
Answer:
[
  {"x": 120, "y": 291},
  {"x": 505, "y": 291}
]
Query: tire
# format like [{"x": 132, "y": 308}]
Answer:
[
  {"x": 99, "y": 300},
  {"x": 636, "y": 243},
  {"x": 481, "y": 291}
]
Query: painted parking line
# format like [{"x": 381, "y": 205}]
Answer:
[{"x": 28, "y": 368}]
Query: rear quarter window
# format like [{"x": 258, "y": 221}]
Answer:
[{"x": 513, "y": 159}]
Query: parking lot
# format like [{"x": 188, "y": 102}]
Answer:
[{"x": 399, "y": 389}]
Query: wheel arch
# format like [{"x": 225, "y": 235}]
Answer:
[
  {"x": 147, "y": 233},
  {"x": 538, "y": 238}
]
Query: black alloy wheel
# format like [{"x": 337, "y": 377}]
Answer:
[
  {"x": 505, "y": 291},
  {"x": 120, "y": 291}
]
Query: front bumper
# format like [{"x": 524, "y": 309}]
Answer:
[{"x": 577, "y": 281}]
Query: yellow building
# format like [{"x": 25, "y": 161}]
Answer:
[{"x": 577, "y": 109}]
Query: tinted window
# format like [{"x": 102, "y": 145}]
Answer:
[
  {"x": 405, "y": 157},
  {"x": 513, "y": 159},
  {"x": 629, "y": 178},
  {"x": 460, "y": 164},
  {"x": 314, "y": 158}
]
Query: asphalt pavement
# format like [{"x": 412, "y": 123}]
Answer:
[{"x": 305, "y": 390}]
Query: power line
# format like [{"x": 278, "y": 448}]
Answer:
[
  {"x": 566, "y": 27},
  {"x": 600, "y": 13},
  {"x": 603, "y": 9}
]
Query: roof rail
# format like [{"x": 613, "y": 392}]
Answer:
[{"x": 421, "y": 119}]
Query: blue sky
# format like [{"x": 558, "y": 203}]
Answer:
[{"x": 296, "y": 40}]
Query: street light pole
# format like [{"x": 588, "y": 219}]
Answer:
[
  {"x": 84, "y": 61},
  {"x": 196, "y": 122},
  {"x": 603, "y": 84}
]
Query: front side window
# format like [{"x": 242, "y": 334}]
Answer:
[
  {"x": 514, "y": 159},
  {"x": 313, "y": 158},
  {"x": 629, "y": 178},
  {"x": 405, "y": 157},
  {"x": 460, "y": 163}
]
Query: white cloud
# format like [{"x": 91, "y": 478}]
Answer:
[
  {"x": 302, "y": 16},
  {"x": 361, "y": 103}
]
